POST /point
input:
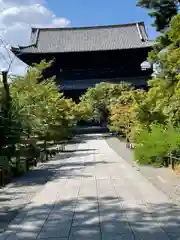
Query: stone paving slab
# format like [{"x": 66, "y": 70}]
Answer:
[
  {"x": 99, "y": 197},
  {"x": 80, "y": 233}
]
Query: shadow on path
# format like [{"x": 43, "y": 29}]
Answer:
[
  {"x": 102, "y": 220},
  {"x": 19, "y": 193},
  {"x": 21, "y": 190},
  {"x": 88, "y": 207}
]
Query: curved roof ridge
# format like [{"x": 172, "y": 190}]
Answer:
[{"x": 89, "y": 27}]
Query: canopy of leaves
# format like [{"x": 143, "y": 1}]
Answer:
[
  {"x": 83, "y": 111},
  {"x": 100, "y": 97},
  {"x": 158, "y": 114},
  {"x": 40, "y": 106},
  {"x": 162, "y": 103},
  {"x": 161, "y": 10},
  {"x": 37, "y": 111},
  {"x": 120, "y": 111}
]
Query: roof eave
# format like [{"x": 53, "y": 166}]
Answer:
[
  {"x": 20, "y": 48},
  {"x": 23, "y": 51},
  {"x": 15, "y": 49}
]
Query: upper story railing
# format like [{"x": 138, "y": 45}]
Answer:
[
  {"x": 90, "y": 73},
  {"x": 90, "y": 83}
]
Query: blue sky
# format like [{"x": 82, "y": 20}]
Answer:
[{"x": 101, "y": 12}]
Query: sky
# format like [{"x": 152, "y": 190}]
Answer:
[
  {"x": 18, "y": 16},
  {"x": 101, "y": 12}
]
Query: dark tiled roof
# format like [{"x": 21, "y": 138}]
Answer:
[{"x": 51, "y": 40}]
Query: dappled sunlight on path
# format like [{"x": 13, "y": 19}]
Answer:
[{"x": 94, "y": 194}]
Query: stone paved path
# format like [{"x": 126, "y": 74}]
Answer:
[
  {"x": 21, "y": 191},
  {"x": 96, "y": 195},
  {"x": 163, "y": 178}
]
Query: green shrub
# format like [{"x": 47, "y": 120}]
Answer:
[{"x": 154, "y": 146}]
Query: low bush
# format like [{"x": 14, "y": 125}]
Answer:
[{"x": 155, "y": 145}]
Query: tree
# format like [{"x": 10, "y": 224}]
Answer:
[
  {"x": 162, "y": 10},
  {"x": 38, "y": 112},
  {"x": 158, "y": 114},
  {"x": 10, "y": 125},
  {"x": 162, "y": 104},
  {"x": 121, "y": 119},
  {"x": 83, "y": 111},
  {"x": 42, "y": 108},
  {"x": 100, "y": 97}
]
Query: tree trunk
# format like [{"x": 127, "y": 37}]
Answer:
[
  {"x": 166, "y": 161},
  {"x": 7, "y": 113},
  {"x": 45, "y": 149},
  {"x": 173, "y": 162}
]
